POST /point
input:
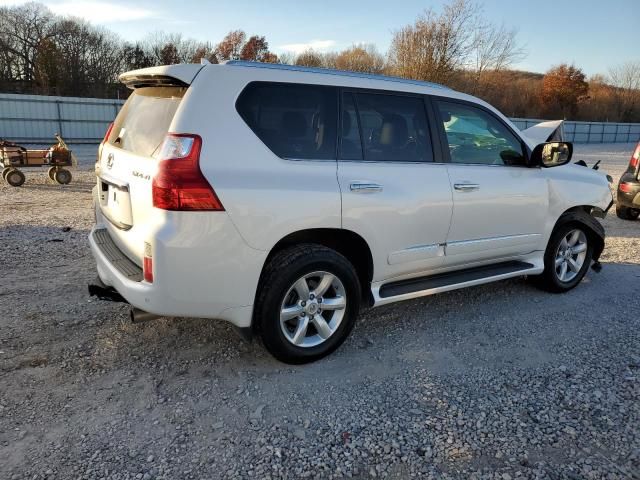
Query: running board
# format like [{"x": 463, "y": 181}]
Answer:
[{"x": 421, "y": 286}]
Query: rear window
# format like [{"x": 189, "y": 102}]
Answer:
[
  {"x": 294, "y": 121},
  {"x": 143, "y": 122},
  {"x": 394, "y": 128}
]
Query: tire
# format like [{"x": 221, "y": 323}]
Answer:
[
  {"x": 14, "y": 177},
  {"x": 62, "y": 176},
  {"x": 5, "y": 170},
  {"x": 626, "y": 213},
  {"x": 553, "y": 279},
  {"x": 281, "y": 294},
  {"x": 51, "y": 172}
]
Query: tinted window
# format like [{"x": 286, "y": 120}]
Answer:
[
  {"x": 294, "y": 121},
  {"x": 351, "y": 147},
  {"x": 143, "y": 122},
  {"x": 394, "y": 128},
  {"x": 476, "y": 136}
]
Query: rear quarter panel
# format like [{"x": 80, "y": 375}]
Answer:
[{"x": 266, "y": 197}]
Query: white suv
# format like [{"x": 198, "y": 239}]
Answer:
[{"x": 284, "y": 199}]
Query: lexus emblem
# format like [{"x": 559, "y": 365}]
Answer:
[{"x": 110, "y": 161}]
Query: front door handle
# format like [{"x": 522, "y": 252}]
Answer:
[
  {"x": 466, "y": 187},
  {"x": 365, "y": 187}
]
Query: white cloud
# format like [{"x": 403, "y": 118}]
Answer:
[
  {"x": 101, "y": 12},
  {"x": 317, "y": 45}
]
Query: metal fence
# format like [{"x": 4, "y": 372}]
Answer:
[
  {"x": 590, "y": 132},
  {"x": 36, "y": 118}
]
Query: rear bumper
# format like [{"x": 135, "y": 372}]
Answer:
[
  {"x": 210, "y": 273},
  {"x": 137, "y": 293}
]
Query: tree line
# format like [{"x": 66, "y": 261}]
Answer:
[{"x": 42, "y": 53}]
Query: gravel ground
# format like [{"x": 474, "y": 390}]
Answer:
[{"x": 500, "y": 381}]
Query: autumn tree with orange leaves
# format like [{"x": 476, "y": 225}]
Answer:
[{"x": 563, "y": 87}]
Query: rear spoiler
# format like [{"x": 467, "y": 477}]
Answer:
[
  {"x": 139, "y": 81},
  {"x": 164, "y": 76}
]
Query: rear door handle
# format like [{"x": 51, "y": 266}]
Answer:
[
  {"x": 466, "y": 187},
  {"x": 365, "y": 187}
]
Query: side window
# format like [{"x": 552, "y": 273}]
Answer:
[
  {"x": 351, "y": 146},
  {"x": 475, "y": 136},
  {"x": 394, "y": 128},
  {"x": 294, "y": 121}
]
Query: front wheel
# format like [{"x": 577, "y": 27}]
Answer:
[
  {"x": 626, "y": 213},
  {"x": 307, "y": 304},
  {"x": 566, "y": 259},
  {"x": 5, "y": 170}
]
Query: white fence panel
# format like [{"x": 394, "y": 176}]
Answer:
[
  {"x": 591, "y": 132},
  {"x": 36, "y": 118}
]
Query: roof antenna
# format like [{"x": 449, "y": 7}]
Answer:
[{"x": 204, "y": 61}]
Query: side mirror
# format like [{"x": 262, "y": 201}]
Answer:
[{"x": 551, "y": 154}]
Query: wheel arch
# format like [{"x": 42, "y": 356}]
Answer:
[
  {"x": 346, "y": 242},
  {"x": 584, "y": 215}
]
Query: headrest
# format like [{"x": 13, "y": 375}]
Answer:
[{"x": 394, "y": 131}]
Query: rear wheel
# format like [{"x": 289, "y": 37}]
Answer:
[
  {"x": 51, "y": 172},
  {"x": 627, "y": 213},
  {"x": 5, "y": 170},
  {"x": 566, "y": 259},
  {"x": 307, "y": 304},
  {"x": 14, "y": 177},
  {"x": 62, "y": 176}
]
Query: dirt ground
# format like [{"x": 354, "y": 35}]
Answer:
[{"x": 497, "y": 381}]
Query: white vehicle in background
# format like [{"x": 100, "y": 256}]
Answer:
[{"x": 283, "y": 199}]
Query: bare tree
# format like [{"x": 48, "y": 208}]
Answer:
[
  {"x": 495, "y": 48},
  {"x": 626, "y": 80},
  {"x": 309, "y": 58},
  {"x": 166, "y": 49},
  {"x": 436, "y": 45},
  {"x": 360, "y": 58},
  {"x": 135, "y": 57},
  {"x": 22, "y": 31},
  {"x": 287, "y": 58},
  {"x": 84, "y": 56}
]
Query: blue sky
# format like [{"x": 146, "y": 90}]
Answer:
[{"x": 593, "y": 34}]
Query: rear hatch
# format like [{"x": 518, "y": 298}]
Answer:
[{"x": 128, "y": 158}]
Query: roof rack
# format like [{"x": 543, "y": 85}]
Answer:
[{"x": 330, "y": 71}]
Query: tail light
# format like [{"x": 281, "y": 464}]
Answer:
[
  {"x": 635, "y": 158},
  {"x": 179, "y": 183},
  {"x": 625, "y": 187}
]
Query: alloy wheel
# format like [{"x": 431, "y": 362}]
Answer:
[
  {"x": 570, "y": 255},
  {"x": 313, "y": 309}
]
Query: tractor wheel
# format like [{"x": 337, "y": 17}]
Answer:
[{"x": 51, "y": 172}]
